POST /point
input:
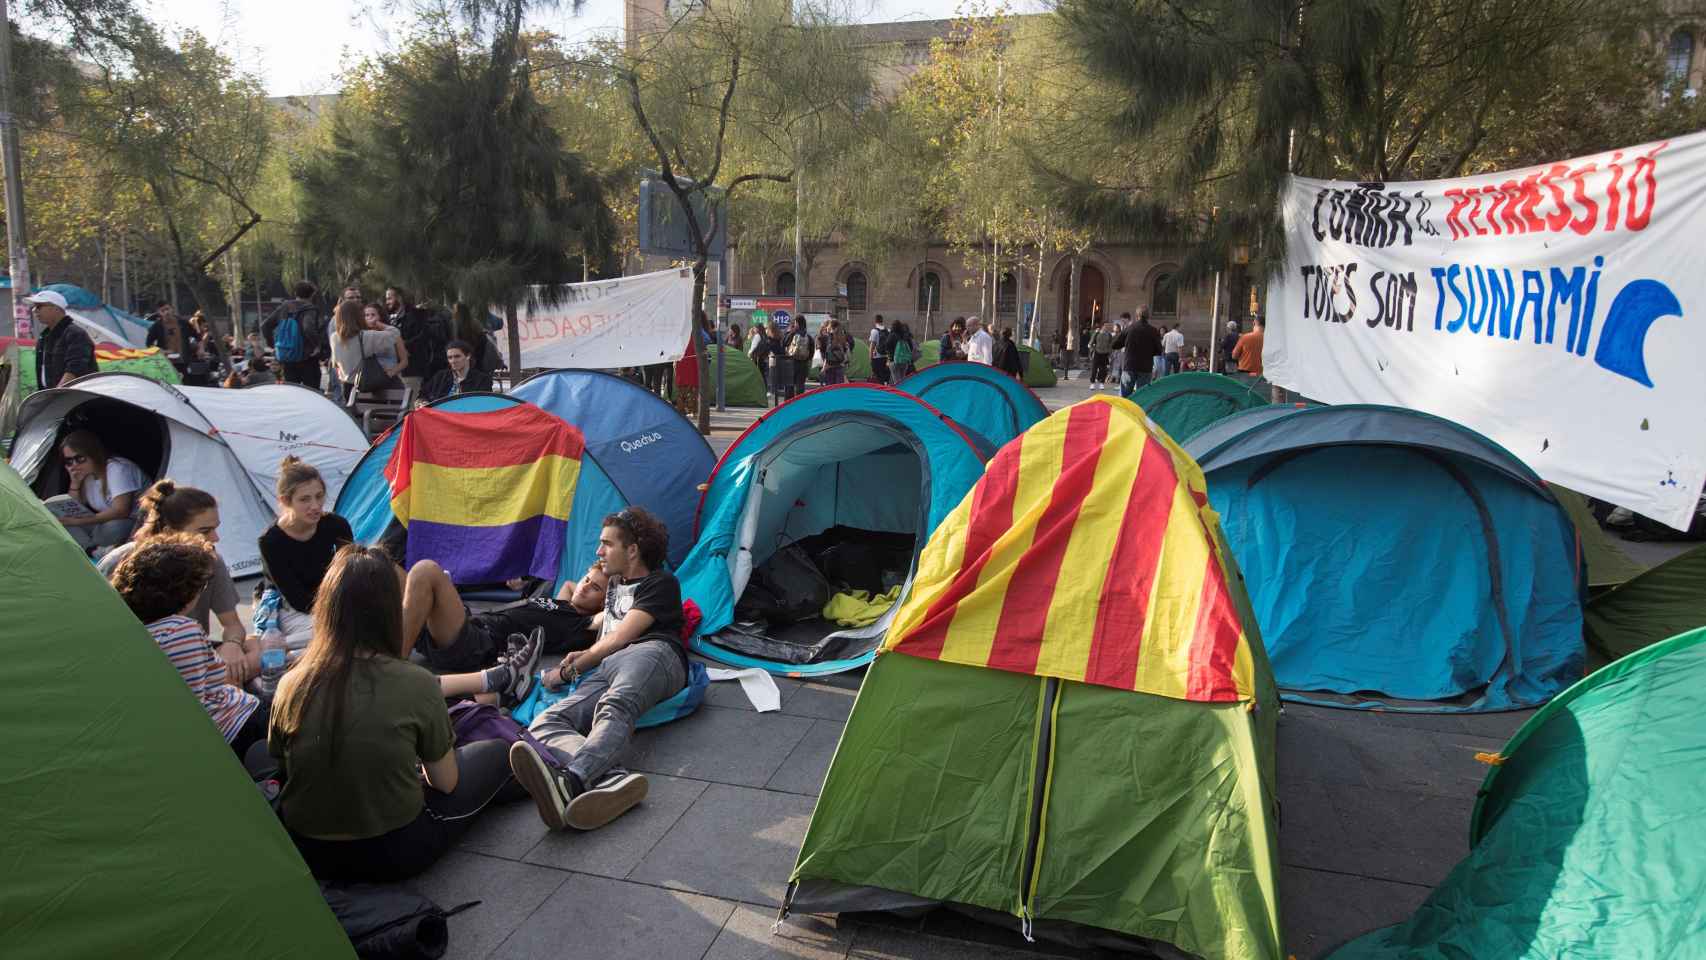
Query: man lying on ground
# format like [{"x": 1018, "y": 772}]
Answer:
[{"x": 640, "y": 662}]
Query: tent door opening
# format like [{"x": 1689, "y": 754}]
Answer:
[
  {"x": 832, "y": 512},
  {"x": 125, "y": 430}
]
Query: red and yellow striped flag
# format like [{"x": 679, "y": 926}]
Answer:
[
  {"x": 1087, "y": 552},
  {"x": 124, "y": 353}
]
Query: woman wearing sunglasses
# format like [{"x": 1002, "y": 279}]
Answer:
[{"x": 99, "y": 510}]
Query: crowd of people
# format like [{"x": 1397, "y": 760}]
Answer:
[
  {"x": 1129, "y": 356},
  {"x": 373, "y": 779}
]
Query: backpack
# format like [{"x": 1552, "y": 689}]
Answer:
[
  {"x": 834, "y": 354},
  {"x": 290, "y": 340},
  {"x": 902, "y": 352},
  {"x": 1104, "y": 342},
  {"x": 800, "y": 346}
]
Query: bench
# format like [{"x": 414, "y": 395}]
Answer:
[{"x": 381, "y": 410}]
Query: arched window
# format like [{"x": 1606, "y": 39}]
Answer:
[
  {"x": 1006, "y": 298},
  {"x": 1679, "y": 57},
  {"x": 930, "y": 293},
  {"x": 785, "y": 283},
  {"x": 856, "y": 291},
  {"x": 1164, "y": 297}
]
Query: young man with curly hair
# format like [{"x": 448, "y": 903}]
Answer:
[
  {"x": 637, "y": 662},
  {"x": 160, "y": 581}
]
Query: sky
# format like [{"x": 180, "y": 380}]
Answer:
[{"x": 296, "y": 46}]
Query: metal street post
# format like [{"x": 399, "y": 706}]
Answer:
[{"x": 17, "y": 256}]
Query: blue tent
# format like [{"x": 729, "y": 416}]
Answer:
[
  {"x": 639, "y": 452},
  {"x": 1392, "y": 554},
  {"x": 978, "y": 396},
  {"x": 874, "y": 465}
]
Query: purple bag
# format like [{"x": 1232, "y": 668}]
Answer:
[{"x": 471, "y": 722}]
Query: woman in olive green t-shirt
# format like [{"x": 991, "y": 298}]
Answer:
[{"x": 357, "y": 729}]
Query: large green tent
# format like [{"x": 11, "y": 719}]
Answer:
[
  {"x": 1071, "y": 726},
  {"x": 1184, "y": 403},
  {"x": 1586, "y": 839},
  {"x": 1608, "y": 565},
  {"x": 130, "y": 828},
  {"x": 1649, "y": 607},
  {"x": 743, "y": 385},
  {"x": 1038, "y": 372},
  {"x": 148, "y": 362}
]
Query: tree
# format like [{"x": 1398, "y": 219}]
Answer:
[
  {"x": 733, "y": 94},
  {"x": 1227, "y": 97},
  {"x": 446, "y": 174}
]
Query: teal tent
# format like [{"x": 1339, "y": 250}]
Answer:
[
  {"x": 1586, "y": 841},
  {"x": 1184, "y": 403}
]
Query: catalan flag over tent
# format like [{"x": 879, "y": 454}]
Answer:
[
  {"x": 487, "y": 494},
  {"x": 1048, "y": 568}
]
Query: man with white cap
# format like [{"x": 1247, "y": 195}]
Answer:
[{"x": 63, "y": 351}]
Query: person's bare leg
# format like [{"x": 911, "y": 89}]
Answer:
[{"x": 430, "y": 600}]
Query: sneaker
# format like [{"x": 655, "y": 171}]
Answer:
[
  {"x": 550, "y": 789},
  {"x": 522, "y": 659},
  {"x": 610, "y": 798}
]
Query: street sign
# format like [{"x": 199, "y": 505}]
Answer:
[
  {"x": 743, "y": 303},
  {"x": 782, "y": 318}
]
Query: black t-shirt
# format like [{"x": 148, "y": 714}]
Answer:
[
  {"x": 296, "y": 567},
  {"x": 659, "y": 594},
  {"x": 565, "y": 628}
]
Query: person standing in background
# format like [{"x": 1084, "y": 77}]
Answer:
[
  {"x": 1173, "y": 345},
  {"x": 1101, "y": 351},
  {"x": 880, "y": 349},
  {"x": 64, "y": 351},
  {"x": 1228, "y": 342},
  {"x": 1248, "y": 352},
  {"x": 980, "y": 346}
]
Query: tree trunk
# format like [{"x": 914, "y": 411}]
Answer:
[
  {"x": 699, "y": 350},
  {"x": 512, "y": 326}
]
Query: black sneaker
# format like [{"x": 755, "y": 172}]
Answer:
[
  {"x": 606, "y": 800},
  {"x": 550, "y": 789},
  {"x": 522, "y": 659}
]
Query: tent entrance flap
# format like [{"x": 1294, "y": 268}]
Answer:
[
  {"x": 125, "y": 430},
  {"x": 833, "y": 509}
]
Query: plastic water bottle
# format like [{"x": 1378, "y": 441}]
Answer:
[{"x": 274, "y": 659}]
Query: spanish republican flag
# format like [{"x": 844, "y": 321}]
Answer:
[
  {"x": 487, "y": 495},
  {"x": 1087, "y": 552}
]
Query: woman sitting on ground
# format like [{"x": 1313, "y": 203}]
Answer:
[
  {"x": 160, "y": 580},
  {"x": 357, "y": 728},
  {"x": 99, "y": 511},
  {"x": 169, "y": 508},
  {"x": 297, "y": 550}
]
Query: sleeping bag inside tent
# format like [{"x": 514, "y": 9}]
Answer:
[
  {"x": 490, "y": 487},
  {"x": 1392, "y": 554},
  {"x": 1071, "y": 727},
  {"x": 1585, "y": 839},
  {"x": 1184, "y": 403},
  {"x": 812, "y": 521},
  {"x": 226, "y": 442},
  {"x": 978, "y": 396}
]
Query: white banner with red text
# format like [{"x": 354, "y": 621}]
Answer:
[
  {"x": 604, "y": 324},
  {"x": 1560, "y": 310}
]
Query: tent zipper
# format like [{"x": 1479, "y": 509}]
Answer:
[{"x": 1042, "y": 765}]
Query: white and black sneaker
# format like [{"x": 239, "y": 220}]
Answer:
[
  {"x": 550, "y": 789},
  {"x": 522, "y": 658},
  {"x": 617, "y": 793}
]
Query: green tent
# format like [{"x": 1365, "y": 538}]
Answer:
[
  {"x": 1038, "y": 373},
  {"x": 1608, "y": 565},
  {"x": 131, "y": 829},
  {"x": 1184, "y": 403},
  {"x": 150, "y": 363},
  {"x": 1033, "y": 748},
  {"x": 1649, "y": 607},
  {"x": 1586, "y": 841},
  {"x": 858, "y": 369},
  {"x": 743, "y": 386}
]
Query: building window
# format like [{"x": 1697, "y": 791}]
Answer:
[
  {"x": 785, "y": 283},
  {"x": 1679, "y": 57},
  {"x": 930, "y": 293},
  {"x": 1006, "y": 298},
  {"x": 856, "y": 291},
  {"x": 1164, "y": 298}
]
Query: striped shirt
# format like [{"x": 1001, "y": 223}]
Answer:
[{"x": 185, "y": 644}]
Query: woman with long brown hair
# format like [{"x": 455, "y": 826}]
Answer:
[
  {"x": 99, "y": 511},
  {"x": 374, "y": 787},
  {"x": 353, "y": 342}
]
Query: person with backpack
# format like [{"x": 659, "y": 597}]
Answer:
[
  {"x": 903, "y": 352},
  {"x": 1007, "y": 357},
  {"x": 879, "y": 350},
  {"x": 296, "y": 331},
  {"x": 834, "y": 348},
  {"x": 423, "y": 337},
  {"x": 800, "y": 350},
  {"x": 763, "y": 346}
]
